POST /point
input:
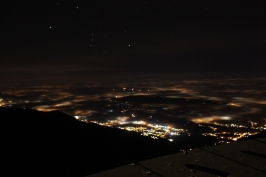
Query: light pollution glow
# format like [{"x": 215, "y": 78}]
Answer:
[{"x": 95, "y": 100}]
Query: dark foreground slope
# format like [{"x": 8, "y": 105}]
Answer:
[{"x": 35, "y": 143}]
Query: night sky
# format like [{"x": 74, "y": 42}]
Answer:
[{"x": 100, "y": 40}]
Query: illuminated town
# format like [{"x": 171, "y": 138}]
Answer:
[{"x": 156, "y": 131}]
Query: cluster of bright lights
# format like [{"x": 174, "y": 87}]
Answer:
[
  {"x": 154, "y": 131},
  {"x": 230, "y": 125},
  {"x": 227, "y": 137}
]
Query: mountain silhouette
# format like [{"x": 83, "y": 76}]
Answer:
[
  {"x": 53, "y": 143},
  {"x": 35, "y": 143}
]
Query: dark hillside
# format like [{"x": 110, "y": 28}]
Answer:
[{"x": 37, "y": 143}]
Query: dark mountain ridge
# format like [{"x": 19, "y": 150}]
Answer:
[{"x": 37, "y": 143}]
